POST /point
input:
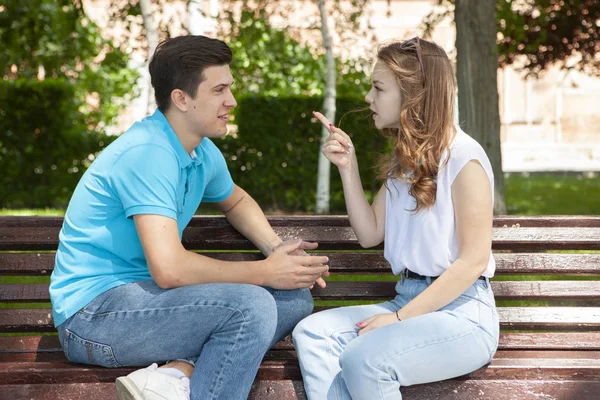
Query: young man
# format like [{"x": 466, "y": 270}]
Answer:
[{"x": 124, "y": 290}]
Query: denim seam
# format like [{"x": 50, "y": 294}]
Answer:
[
  {"x": 227, "y": 356},
  {"x": 175, "y": 308},
  {"x": 336, "y": 380}
]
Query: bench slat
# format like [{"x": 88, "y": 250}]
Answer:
[
  {"x": 366, "y": 290},
  {"x": 71, "y": 391},
  {"x": 261, "y": 390},
  {"x": 548, "y": 365},
  {"x": 31, "y": 348},
  {"x": 522, "y": 318},
  {"x": 338, "y": 238},
  {"x": 455, "y": 389},
  {"x": 354, "y": 262},
  {"x": 564, "y": 221}
]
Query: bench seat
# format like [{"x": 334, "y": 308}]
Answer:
[{"x": 549, "y": 345}]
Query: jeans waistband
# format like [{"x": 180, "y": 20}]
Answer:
[{"x": 408, "y": 274}]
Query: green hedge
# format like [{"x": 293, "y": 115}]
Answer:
[
  {"x": 44, "y": 143},
  {"x": 275, "y": 154}
]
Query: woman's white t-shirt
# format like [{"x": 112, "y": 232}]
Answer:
[{"x": 426, "y": 242}]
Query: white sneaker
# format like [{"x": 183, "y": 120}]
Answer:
[{"x": 150, "y": 384}]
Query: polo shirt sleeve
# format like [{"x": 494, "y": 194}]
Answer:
[
  {"x": 220, "y": 185},
  {"x": 145, "y": 179}
]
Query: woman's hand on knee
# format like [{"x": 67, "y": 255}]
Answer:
[{"x": 376, "y": 321}]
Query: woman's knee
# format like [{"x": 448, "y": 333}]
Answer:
[
  {"x": 356, "y": 363},
  {"x": 313, "y": 327}
]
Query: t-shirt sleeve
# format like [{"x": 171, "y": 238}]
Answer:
[
  {"x": 220, "y": 184},
  {"x": 144, "y": 184},
  {"x": 466, "y": 151}
]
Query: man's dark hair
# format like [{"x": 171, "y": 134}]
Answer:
[{"x": 179, "y": 63}]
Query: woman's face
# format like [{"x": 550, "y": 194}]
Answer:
[{"x": 384, "y": 97}]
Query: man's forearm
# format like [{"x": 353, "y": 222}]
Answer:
[
  {"x": 189, "y": 268},
  {"x": 247, "y": 218}
]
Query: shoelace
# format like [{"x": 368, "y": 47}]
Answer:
[{"x": 184, "y": 387}]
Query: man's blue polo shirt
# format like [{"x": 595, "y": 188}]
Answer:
[{"x": 145, "y": 171}]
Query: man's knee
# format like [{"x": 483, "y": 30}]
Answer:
[
  {"x": 257, "y": 304},
  {"x": 303, "y": 304}
]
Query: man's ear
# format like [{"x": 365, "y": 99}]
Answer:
[{"x": 179, "y": 99}]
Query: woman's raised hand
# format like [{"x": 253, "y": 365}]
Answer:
[{"x": 338, "y": 147}]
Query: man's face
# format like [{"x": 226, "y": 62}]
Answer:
[{"x": 209, "y": 111}]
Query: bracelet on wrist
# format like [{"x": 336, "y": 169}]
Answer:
[{"x": 397, "y": 315}]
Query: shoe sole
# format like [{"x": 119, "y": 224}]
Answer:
[{"x": 126, "y": 389}]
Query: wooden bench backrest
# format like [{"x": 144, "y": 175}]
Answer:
[{"x": 567, "y": 287}]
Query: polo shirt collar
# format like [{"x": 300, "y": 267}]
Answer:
[{"x": 185, "y": 159}]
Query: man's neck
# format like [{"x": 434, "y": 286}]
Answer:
[{"x": 184, "y": 134}]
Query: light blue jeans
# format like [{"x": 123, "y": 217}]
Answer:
[
  {"x": 224, "y": 329},
  {"x": 338, "y": 364}
]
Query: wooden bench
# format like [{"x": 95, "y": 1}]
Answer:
[{"x": 549, "y": 349}]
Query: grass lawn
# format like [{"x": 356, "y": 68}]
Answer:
[
  {"x": 552, "y": 194},
  {"x": 526, "y": 194}
]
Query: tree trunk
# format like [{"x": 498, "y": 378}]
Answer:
[
  {"x": 477, "y": 65},
  {"x": 198, "y": 22},
  {"x": 323, "y": 178},
  {"x": 195, "y": 17},
  {"x": 152, "y": 38}
]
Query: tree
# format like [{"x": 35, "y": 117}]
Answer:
[
  {"x": 477, "y": 66},
  {"x": 531, "y": 36},
  {"x": 152, "y": 39},
  {"x": 324, "y": 168},
  {"x": 538, "y": 33}
]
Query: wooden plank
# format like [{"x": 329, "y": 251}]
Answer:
[
  {"x": 26, "y": 320},
  {"x": 547, "y": 264},
  {"x": 557, "y": 221},
  {"x": 26, "y": 263},
  {"x": 590, "y": 221},
  {"x": 367, "y": 290},
  {"x": 336, "y": 235},
  {"x": 517, "y": 389},
  {"x": 563, "y": 318},
  {"x": 575, "y": 319},
  {"x": 524, "y": 239},
  {"x": 31, "y": 292},
  {"x": 261, "y": 390},
  {"x": 503, "y": 290},
  {"x": 343, "y": 238},
  {"x": 353, "y": 262},
  {"x": 454, "y": 389},
  {"x": 549, "y": 341},
  {"x": 48, "y": 349},
  {"x": 552, "y": 366},
  {"x": 72, "y": 391}
]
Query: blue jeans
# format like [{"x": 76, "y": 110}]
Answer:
[
  {"x": 223, "y": 329},
  {"x": 337, "y": 364}
]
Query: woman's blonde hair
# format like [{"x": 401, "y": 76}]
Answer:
[{"x": 427, "y": 88}]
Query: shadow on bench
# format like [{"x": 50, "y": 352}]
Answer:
[{"x": 549, "y": 345}]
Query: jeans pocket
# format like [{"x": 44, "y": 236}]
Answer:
[{"x": 80, "y": 350}]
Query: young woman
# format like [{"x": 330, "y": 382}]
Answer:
[{"x": 435, "y": 213}]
